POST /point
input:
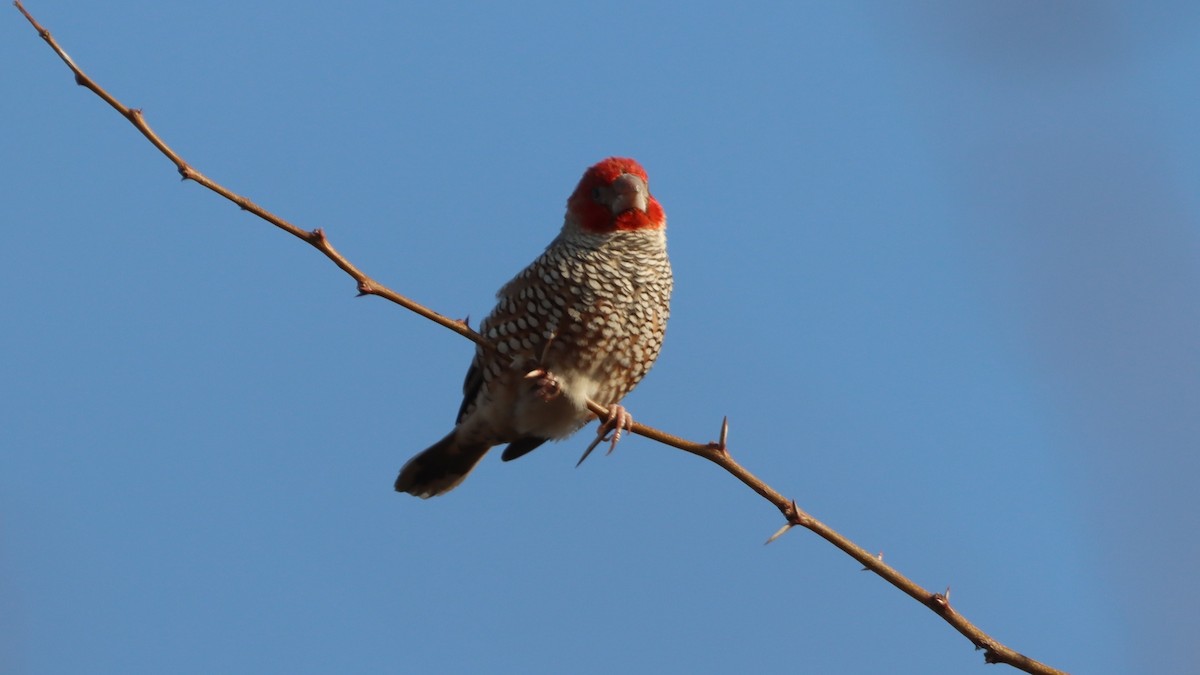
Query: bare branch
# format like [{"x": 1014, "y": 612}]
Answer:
[{"x": 717, "y": 452}]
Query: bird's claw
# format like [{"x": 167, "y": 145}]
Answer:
[
  {"x": 610, "y": 430},
  {"x": 547, "y": 386}
]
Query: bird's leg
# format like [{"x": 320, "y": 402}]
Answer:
[
  {"x": 548, "y": 387},
  {"x": 610, "y": 430}
]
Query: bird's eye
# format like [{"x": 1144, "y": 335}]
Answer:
[{"x": 596, "y": 193}]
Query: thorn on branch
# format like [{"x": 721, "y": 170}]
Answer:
[
  {"x": 941, "y": 601},
  {"x": 315, "y": 237},
  {"x": 78, "y": 78},
  {"x": 780, "y": 532},
  {"x": 365, "y": 287},
  {"x": 879, "y": 557},
  {"x": 721, "y": 446},
  {"x": 795, "y": 516}
]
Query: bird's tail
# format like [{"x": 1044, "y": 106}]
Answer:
[{"x": 440, "y": 468}]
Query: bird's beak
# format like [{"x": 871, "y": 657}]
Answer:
[{"x": 630, "y": 192}]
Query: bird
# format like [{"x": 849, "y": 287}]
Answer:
[{"x": 585, "y": 320}]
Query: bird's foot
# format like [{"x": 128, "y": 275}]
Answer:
[
  {"x": 610, "y": 430},
  {"x": 546, "y": 384}
]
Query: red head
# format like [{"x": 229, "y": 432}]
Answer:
[{"x": 613, "y": 195}]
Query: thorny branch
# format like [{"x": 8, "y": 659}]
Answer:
[{"x": 717, "y": 452}]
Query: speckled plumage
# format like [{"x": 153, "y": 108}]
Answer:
[{"x": 591, "y": 310}]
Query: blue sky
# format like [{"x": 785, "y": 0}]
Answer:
[{"x": 938, "y": 263}]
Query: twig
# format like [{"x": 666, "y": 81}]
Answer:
[{"x": 717, "y": 453}]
